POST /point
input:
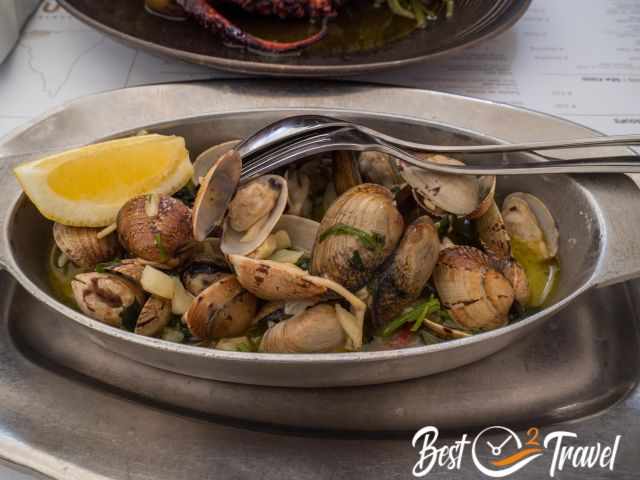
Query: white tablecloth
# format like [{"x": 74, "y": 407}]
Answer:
[{"x": 579, "y": 59}]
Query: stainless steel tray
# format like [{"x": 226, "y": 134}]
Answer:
[
  {"x": 583, "y": 363},
  {"x": 70, "y": 409},
  {"x": 599, "y": 224},
  {"x": 579, "y": 363}
]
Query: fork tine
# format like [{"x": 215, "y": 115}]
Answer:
[
  {"x": 273, "y": 159},
  {"x": 252, "y": 159}
]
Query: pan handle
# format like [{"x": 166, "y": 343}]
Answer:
[{"x": 619, "y": 200}]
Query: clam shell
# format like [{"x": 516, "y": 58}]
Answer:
[
  {"x": 517, "y": 277},
  {"x": 129, "y": 268},
  {"x": 106, "y": 297},
  {"x": 493, "y": 232},
  {"x": 154, "y": 316},
  {"x": 223, "y": 309},
  {"x": 409, "y": 270},
  {"x": 367, "y": 207},
  {"x": 528, "y": 219},
  {"x": 477, "y": 295},
  {"x": 380, "y": 168},
  {"x": 82, "y": 245},
  {"x": 487, "y": 191},
  {"x": 274, "y": 280},
  {"x": 346, "y": 171},
  {"x": 215, "y": 193},
  {"x": 208, "y": 158},
  {"x": 302, "y": 231},
  {"x": 235, "y": 243},
  {"x": 156, "y": 238},
  {"x": 316, "y": 330},
  {"x": 442, "y": 193}
]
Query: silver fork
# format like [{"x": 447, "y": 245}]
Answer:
[
  {"x": 291, "y": 128},
  {"x": 355, "y": 139}
]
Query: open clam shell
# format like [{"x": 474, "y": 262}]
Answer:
[
  {"x": 302, "y": 231},
  {"x": 527, "y": 219},
  {"x": 241, "y": 243},
  {"x": 208, "y": 158},
  {"x": 442, "y": 193},
  {"x": 271, "y": 280},
  {"x": 215, "y": 193}
]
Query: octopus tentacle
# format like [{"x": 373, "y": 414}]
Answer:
[{"x": 211, "y": 19}]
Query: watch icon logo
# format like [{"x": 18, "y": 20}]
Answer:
[{"x": 509, "y": 455}]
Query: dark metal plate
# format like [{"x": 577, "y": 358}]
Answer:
[{"x": 126, "y": 20}]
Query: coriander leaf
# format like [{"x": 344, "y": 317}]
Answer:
[
  {"x": 157, "y": 239},
  {"x": 371, "y": 241},
  {"x": 102, "y": 267}
]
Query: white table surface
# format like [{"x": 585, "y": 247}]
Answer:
[{"x": 579, "y": 59}]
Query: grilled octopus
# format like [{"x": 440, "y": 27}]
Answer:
[{"x": 210, "y": 18}]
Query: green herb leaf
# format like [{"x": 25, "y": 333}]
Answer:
[
  {"x": 416, "y": 315},
  {"x": 103, "y": 267},
  {"x": 157, "y": 240},
  {"x": 371, "y": 241}
]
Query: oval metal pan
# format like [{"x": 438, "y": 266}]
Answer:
[
  {"x": 126, "y": 20},
  {"x": 599, "y": 223}
]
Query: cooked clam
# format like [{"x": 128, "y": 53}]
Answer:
[
  {"x": 214, "y": 194},
  {"x": 253, "y": 212},
  {"x": 82, "y": 245},
  {"x": 199, "y": 275},
  {"x": 492, "y": 232},
  {"x": 154, "y": 227},
  {"x": 346, "y": 171},
  {"x": 380, "y": 168},
  {"x": 208, "y": 158},
  {"x": 154, "y": 316},
  {"x": 357, "y": 234},
  {"x": 441, "y": 193},
  {"x": 242, "y": 274},
  {"x": 223, "y": 309},
  {"x": 315, "y": 330},
  {"x": 131, "y": 268},
  {"x": 517, "y": 277},
  {"x": 477, "y": 296},
  {"x": 271, "y": 280},
  {"x": 529, "y": 221},
  {"x": 408, "y": 272},
  {"x": 108, "y": 298},
  {"x": 299, "y": 187}
]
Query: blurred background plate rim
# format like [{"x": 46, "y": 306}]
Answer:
[{"x": 350, "y": 68}]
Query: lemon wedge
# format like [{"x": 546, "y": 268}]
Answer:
[{"x": 86, "y": 187}]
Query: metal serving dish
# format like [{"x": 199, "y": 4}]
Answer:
[{"x": 598, "y": 216}]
